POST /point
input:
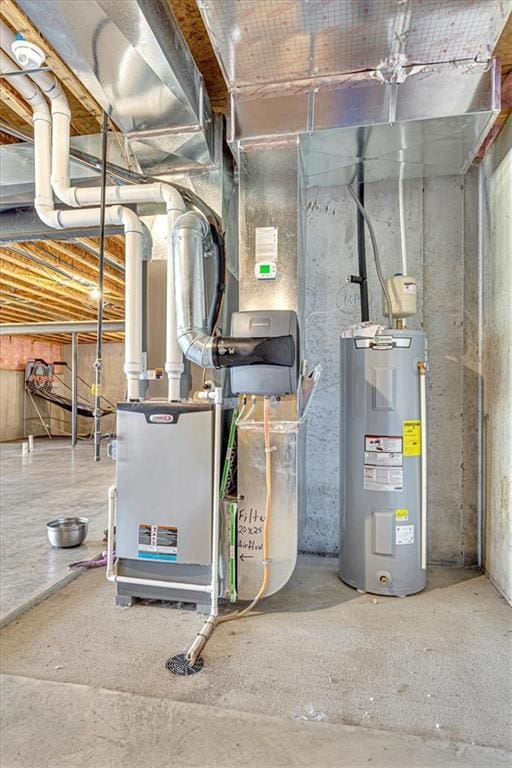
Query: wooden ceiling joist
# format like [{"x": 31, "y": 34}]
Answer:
[
  {"x": 66, "y": 287},
  {"x": 13, "y": 101},
  {"x": 64, "y": 254},
  {"x": 68, "y": 265},
  {"x": 74, "y": 310},
  {"x": 87, "y": 113}
]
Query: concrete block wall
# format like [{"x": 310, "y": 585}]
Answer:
[{"x": 435, "y": 232}]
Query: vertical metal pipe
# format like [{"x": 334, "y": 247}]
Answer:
[
  {"x": 74, "y": 383},
  {"x": 361, "y": 243},
  {"x": 481, "y": 399},
  {"x": 101, "y": 272},
  {"x": 217, "y": 461},
  {"x": 422, "y": 370}
]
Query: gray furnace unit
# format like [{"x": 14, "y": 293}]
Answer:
[
  {"x": 164, "y": 498},
  {"x": 382, "y": 549}
]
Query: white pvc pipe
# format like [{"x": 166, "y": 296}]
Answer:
[
  {"x": 403, "y": 243},
  {"x": 423, "y": 417},
  {"x": 208, "y": 627},
  {"x": 124, "y": 195},
  {"x": 217, "y": 450},
  {"x": 141, "y": 193},
  {"x": 89, "y": 217},
  {"x": 43, "y": 202},
  {"x": 401, "y": 211}
]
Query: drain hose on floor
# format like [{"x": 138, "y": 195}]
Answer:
[{"x": 207, "y": 630}]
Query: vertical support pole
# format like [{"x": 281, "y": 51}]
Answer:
[
  {"x": 101, "y": 272},
  {"x": 217, "y": 459},
  {"x": 74, "y": 383},
  {"x": 422, "y": 370}
]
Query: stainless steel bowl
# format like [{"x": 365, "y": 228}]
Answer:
[{"x": 67, "y": 531}]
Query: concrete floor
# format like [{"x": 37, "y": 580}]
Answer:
[
  {"x": 430, "y": 674},
  {"x": 34, "y": 490},
  {"x": 425, "y": 681}
]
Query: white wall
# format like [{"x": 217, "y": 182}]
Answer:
[
  {"x": 497, "y": 362},
  {"x": 13, "y": 407},
  {"x": 113, "y": 381}
]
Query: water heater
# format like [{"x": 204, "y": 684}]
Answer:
[{"x": 382, "y": 547}]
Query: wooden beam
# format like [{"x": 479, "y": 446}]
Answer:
[
  {"x": 71, "y": 263},
  {"x": 6, "y": 138},
  {"x": 73, "y": 255},
  {"x": 86, "y": 111},
  {"x": 114, "y": 248},
  {"x": 17, "y": 295},
  {"x": 194, "y": 31},
  {"x": 42, "y": 314},
  {"x": 76, "y": 310},
  {"x": 66, "y": 287},
  {"x": 14, "y": 102},
  {"x": 503, "y": 50}
]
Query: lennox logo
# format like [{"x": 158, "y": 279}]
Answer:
[{"x": 161, "y": 418}]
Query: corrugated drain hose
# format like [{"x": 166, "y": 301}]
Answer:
[
  {"x": 268, "y": 505},
  {"x": 206, "y": 632}
]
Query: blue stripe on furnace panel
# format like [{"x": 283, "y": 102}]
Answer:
[{"x": 156, "y": 556}]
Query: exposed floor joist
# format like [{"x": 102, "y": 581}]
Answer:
[
  {"x": 53, "y": 280},
  {"x": 87, "y": 113}
]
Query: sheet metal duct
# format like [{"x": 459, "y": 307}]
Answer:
[
  {"x": 131, "y": 56},
  {"x": 17, "y": 164},
  {"x": 264, "y": 42},
  {"x": 416, "y": 74}
]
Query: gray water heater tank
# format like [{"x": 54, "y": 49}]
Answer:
[{"x": 380, "y": 527}]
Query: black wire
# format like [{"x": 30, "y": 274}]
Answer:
[
  {"x": 220, "y": 279},
  {"x": 361, "y": 233}
]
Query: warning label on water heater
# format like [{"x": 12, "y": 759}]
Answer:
[
  {"x": 383, "y": 463},
  {"x": 404, "y": 534}
]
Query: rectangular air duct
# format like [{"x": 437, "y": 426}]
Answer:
[
  {"x": 409, "y": 87},
  {"x": 132, "y": 58}
]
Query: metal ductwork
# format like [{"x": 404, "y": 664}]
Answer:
[
  {"x": 191, "y": 240},
  {"x": 414, "y": 79},
  {"x": 132, "y": 58}
]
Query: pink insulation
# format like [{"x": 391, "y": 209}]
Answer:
[{"x": 16, "y": 350}]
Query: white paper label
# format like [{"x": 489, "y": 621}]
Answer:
[
  {"x": 382, "y": 444},
  {"x": 383, "y": 463},
  {"x": 382, "y": 459},
  {"x": 383, "y": 478},
  {"x": 404, "y": 534},
  {"x": 410, "y": 287},
  {"x": 266, "y": 244}
]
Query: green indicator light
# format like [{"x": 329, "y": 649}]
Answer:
[{"x": 264, "y": 269}]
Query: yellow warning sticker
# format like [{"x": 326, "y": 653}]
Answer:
[
  {"x": 412, "y": 438},
  {"x": 401, "y": 514}
]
